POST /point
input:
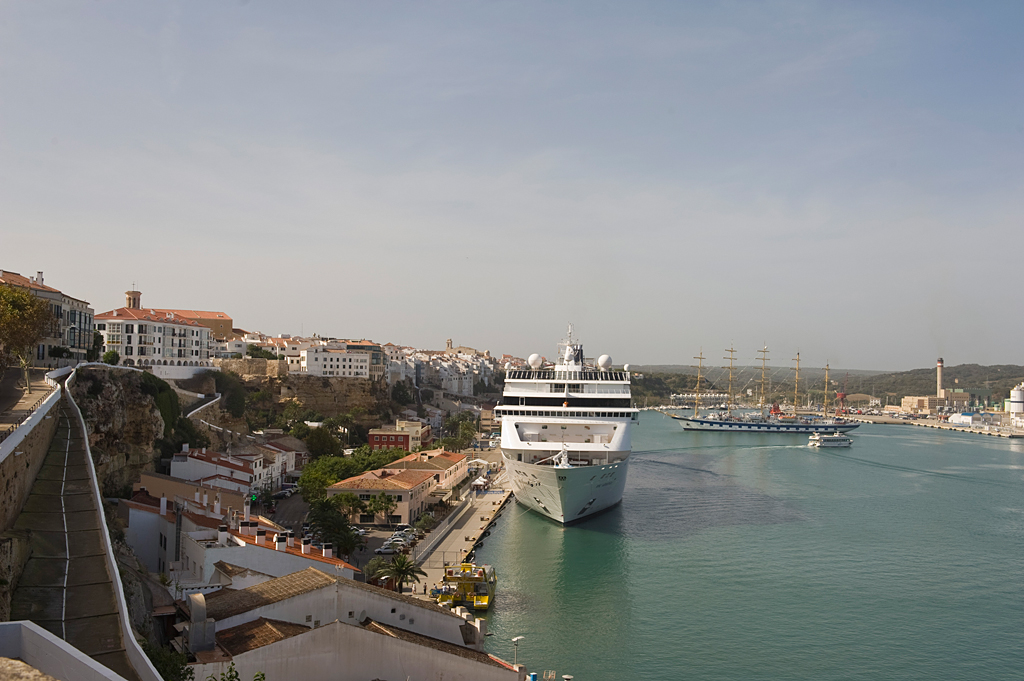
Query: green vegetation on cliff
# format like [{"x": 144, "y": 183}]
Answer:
[{"x": 658, "y": 388}]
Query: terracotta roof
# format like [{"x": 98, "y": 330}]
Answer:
[
  {"x": 147, "y": 314},
  {"x": 15, "y": 279},
  {"x": 272, "y": 591},
  {"x": 217, "y": 459},
  {"x": 256, "y": 634},
  {"x": 435, "y": 644},
  {"x": 314, "y": 553},
  {"x": 406, "y": 480},
  {"x": 198, "y": 314}
]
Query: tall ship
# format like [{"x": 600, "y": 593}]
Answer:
[
  {"x": 565, "y": 433},
  {"x": 775, "y": 420}
]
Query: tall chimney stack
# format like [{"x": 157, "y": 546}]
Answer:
[
  {"x": 328, "y": 551},
  {"x": 938, "y": 379},
  {"x": 163, "y": 504}
]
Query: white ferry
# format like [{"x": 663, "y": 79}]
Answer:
[
  {"x": 565, "y": 433},
  {"x": 829, "y": 440}
]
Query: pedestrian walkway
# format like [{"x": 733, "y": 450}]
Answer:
[
  {"x": 16, "y": 403},
  {"x": 66, "y": 587}
]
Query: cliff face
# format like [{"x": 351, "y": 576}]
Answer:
[{"x": 123, "y": 422}]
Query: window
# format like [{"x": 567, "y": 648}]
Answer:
[
  {"x": 398, "y": 498},
  {"x": 365, "y": 497},
  {"x": 129, "y": 328}
]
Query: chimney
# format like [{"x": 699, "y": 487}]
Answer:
[
  {"x": 291, "y": 538},
  {"x": 305, "y": 546},
  {"x": 245, "y": 511},
  {"x": 206, "y": 499},
  {"x": 281, "y": 542},
  {"x": 261, "y": 535},
  {"x": 163, "y": 504},
  {"x": 133, "y": 300},
  {"x": 216, "y": 505},
  {"x": 184, "y": 448},
  {"x": 197, "y": 495},
  {"x": 939, "y": 392},
  {"x": 39, "y": 278},
  {"x": 222, "y": 535},
  {"x": 328, "y": 551}
]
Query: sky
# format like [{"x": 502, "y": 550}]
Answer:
[{"x": 842, "y": 179}]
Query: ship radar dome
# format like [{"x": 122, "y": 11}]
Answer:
[
  {"x": 625, "y": 367},
  {"x": 605, "y": 362},
  {"x": 534, "y": 361}
]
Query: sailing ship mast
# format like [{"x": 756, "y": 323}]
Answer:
[
  {"x": 696, "y": 397},
  {"x": 796, "y": 384},
  {"x": 824, "y": 410},
  {"x": 728, "y": 405},
  {"x": 764, "y": 362}
]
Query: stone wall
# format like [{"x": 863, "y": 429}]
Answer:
[
  {"x": 252, "y": 367},
  {"x": 19, "y": 467},
  {"x": 23, "y": 454}
]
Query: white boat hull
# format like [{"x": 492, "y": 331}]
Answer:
[
  {"x": 566, "y": 495},
  {"x": 760, "y": 427}
]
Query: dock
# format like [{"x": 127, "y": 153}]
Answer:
[{"x": 991, "y": 431}]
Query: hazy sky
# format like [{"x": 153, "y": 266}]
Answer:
[{"x": 842, "y": 179}]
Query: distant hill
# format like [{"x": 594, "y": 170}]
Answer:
[{"x": 999, "y": 379}]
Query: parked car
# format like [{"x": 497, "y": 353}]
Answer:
[
  {"x": 387, "y": 550},
  {"x": 358, "y": 530}
]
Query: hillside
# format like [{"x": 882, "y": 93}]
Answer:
[{"x": 998, "y": 378}]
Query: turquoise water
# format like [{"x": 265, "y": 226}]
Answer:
[{"x": 746, "y": 556}]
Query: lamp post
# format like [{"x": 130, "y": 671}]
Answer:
[{"x": 515, "y": 642}]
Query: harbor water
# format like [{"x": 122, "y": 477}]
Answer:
[{"x": 746, "y": 556}]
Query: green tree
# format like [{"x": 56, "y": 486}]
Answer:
[
  {"x": 260, "y": 353},
  {"x": 383, "y": 505},
  {"x": 400, "y": 393},
  {"x": 93, "y": 353},
  {"x": 348, "y": 504},
  {"x": 24, "y": 321},
  {"x": 373, "y": 569},
  {"x": 321, "y": 442},
  {"x": 403, "y": 570},
  {"x": 172, "y": 665},
  {"x": 425, "y": 523},
  {"x": 332, "y": 526},
  {"x": 111, "y": 357}
]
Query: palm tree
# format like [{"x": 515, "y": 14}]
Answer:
[{"x": 403, "y": 569}]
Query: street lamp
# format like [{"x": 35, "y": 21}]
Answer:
[{"x": 515, "y": 642}]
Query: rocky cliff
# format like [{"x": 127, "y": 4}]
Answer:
[{"x": 123, "y": 421}]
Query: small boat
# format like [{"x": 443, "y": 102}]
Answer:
[
  {"x": 467, "y": 584},
  {"x": 829, "y": 440}
]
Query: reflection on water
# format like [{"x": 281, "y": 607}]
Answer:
[{"x": 740, "y": 556}]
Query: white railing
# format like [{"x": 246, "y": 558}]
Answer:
[{"x": 136, "y": 656}]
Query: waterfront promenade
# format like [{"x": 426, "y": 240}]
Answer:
[{"x": 993, "y": 431}]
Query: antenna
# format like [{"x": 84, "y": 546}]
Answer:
[
  {"x": 696, "y": 395},
  {"x": 731, "y": 351}
]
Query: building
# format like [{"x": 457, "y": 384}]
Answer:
[
  {"x": 314, "y": 625},
  {"x": 407, "y": 435},
  {"x": 378, "y": 360},
  {"x": 321, "y": 360},
  {"x": 943, "y": 399},
  {"x": 409, "y": 488},
  {"x": 150, "y": 336},
  {"x": 73, "y": 320},
  {"x": 218, "y": 470},
  {"x": 157, "y": 485},
  {"x": 449, "y": 468},
  {"x": 219, "y": 323}
]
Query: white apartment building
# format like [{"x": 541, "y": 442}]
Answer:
[
  {"x": 148, "y": 337},
  {"x": 322, "y": 360},
  {"x": 72, "y": 325},
  {"x": 218, "y": 470}
]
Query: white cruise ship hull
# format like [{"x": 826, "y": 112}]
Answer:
[{"x": 567, "y": 495}]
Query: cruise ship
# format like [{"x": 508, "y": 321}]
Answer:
[{"x": 565, "y": 433}]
